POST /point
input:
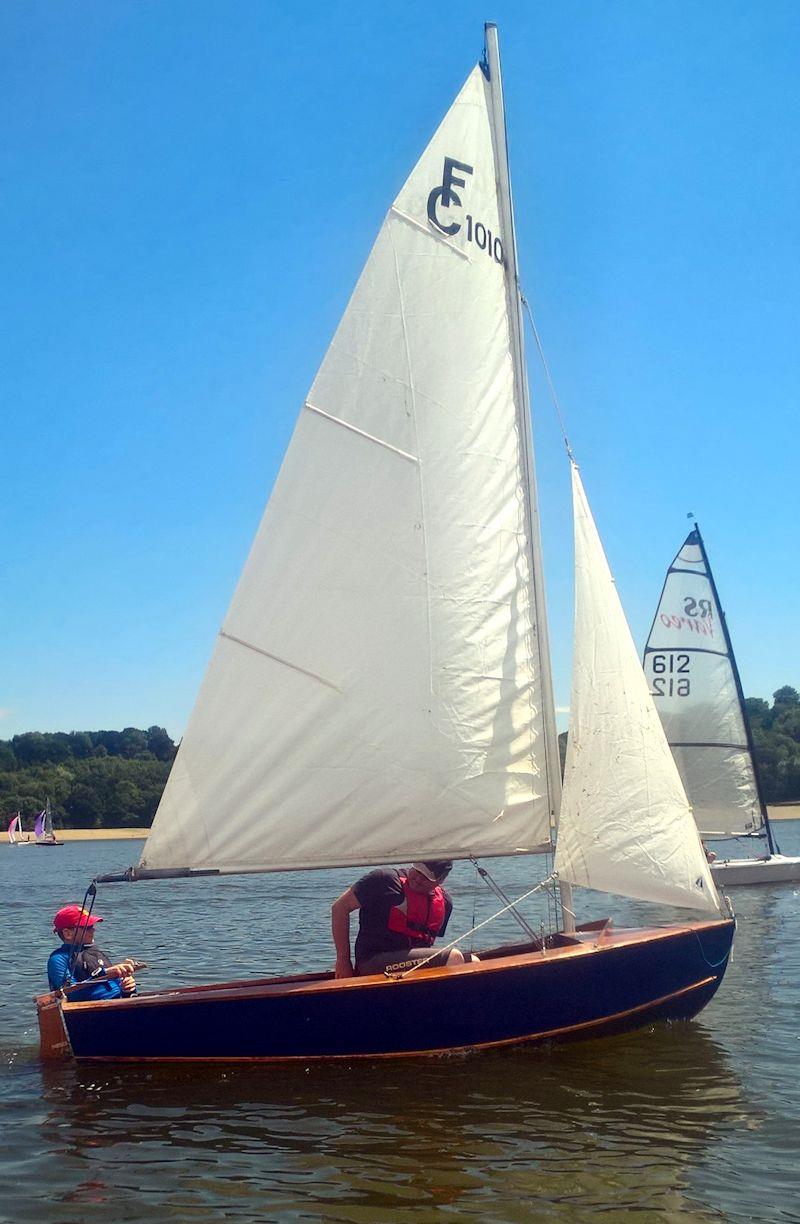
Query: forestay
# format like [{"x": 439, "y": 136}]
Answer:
[
  {"x": 625, "y": 826},
  {"x": 691, "y": 671},
  {"x": 373, "y": 693}
]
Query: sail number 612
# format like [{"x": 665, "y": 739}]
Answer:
[{"x": 670, "y": 675}]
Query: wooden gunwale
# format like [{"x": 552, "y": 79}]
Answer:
[{"x": 606, "y": 942}]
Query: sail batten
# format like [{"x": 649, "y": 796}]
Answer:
[
  {"x": 430, "y": 232},
  {"x": 393, "y": 562},
  {"x": 361, "y": 432},
  {"x": 229, "y": 637}
]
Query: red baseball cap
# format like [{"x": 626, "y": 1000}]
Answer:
[{"x": 74, "y": 916}]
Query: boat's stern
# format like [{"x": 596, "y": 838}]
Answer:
[{"x": 54, "y": 1043}]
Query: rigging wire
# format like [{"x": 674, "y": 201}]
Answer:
[
  {"x": 474, "y": 903},
  {"x": 548, "y": 376},
  {"x": 447, "y": 947},
  {"x": 503, "y": 896},
  {"x": 550, "y": 894},
  {"x": 557, "y": 900},
  {"x": 564, "y": 908}
]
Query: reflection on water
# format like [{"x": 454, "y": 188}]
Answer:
[
  {"x": 566, "y": 1131},
  {"x": 696, "y": 1121}
]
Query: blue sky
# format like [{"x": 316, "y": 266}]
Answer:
[{"x": 190, "y": 189}]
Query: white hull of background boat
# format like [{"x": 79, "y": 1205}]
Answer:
[{"x": 776, "y": 869}]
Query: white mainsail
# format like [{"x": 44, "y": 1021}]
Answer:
[
  {"x": 374, "y": 692},
  {"x": 690, "y": 667},
  {"x": 625, "y": 825}
]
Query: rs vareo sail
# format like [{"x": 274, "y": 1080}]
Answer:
[
  {"x": 374, "y": 691},
  {"x": 692, "y": 673},
  {"x": 625, "y": 825}
]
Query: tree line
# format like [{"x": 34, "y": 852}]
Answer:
[
  {"x": 93, "y": 779},
  {"x": 776, "y": 739},
  {"x": 114, "y": 779}
]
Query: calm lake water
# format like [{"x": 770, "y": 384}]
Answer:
[{"x": 698, "y": 1121}]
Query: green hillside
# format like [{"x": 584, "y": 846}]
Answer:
[
  {"x": 114, "y": 779},
  {"x": 93, "y": 779}
]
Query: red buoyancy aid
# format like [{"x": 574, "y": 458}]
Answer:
[{"x": 419, "y": 916}]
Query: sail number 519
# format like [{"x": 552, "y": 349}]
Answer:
[{"x": 670, "y": 675}]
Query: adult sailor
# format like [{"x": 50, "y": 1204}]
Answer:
[{"x": 401, "y": 912}]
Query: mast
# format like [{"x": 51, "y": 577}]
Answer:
[
  {"x": 522, "y": 401},
  {"x": 739, "y": 692}
]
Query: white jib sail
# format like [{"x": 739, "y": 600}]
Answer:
[
  {"x": 692, "y": 683},
  {"x": 625, "y": 825},
  {"x": 373, "y": 692}
]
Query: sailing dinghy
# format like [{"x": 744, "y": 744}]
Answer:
[
  {"x": 43, "y": 829},
  {"x": 16, "y": 834},
  {"x": 695, "y": 684},
  {"x": 380, "y": 689}
]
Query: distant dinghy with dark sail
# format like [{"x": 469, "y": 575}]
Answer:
[
  {"x": 44, "y": 834},
  {"x": 694, "y": 682},
  {"x": 380, "y": 690}
]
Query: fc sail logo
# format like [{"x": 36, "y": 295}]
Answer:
[{"x": 445, "y": 196}]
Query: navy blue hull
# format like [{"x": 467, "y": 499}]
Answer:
[{"x": 613, "y": 982}]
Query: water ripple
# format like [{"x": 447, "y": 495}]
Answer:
[{"x": 696, "y": 1122}]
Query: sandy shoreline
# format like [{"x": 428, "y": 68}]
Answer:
[
  {"x": 101, "y": 834},
  {"x": 785, "y": 811},
  {"x": 788, "y": 811},
  {"x": 70, "y": 835}
]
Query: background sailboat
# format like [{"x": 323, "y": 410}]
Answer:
[
  {"x": 695, "y": 684},
  {"x": 380, "y": 688},
  {"x": 43, "y": 828},
  {"x": 16, "y": 834}
]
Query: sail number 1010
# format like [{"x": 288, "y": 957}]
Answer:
[
  {"x": 484, "y": 239},
  {"x": 670, "y": 675}
]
